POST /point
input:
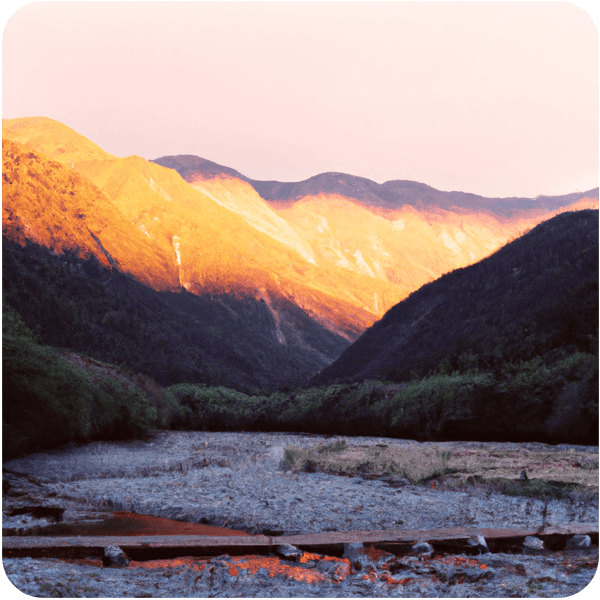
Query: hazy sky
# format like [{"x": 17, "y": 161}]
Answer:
[{"x": 498, "y": 99}]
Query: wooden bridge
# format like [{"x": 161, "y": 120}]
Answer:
[{"x": 145, "y": 547}]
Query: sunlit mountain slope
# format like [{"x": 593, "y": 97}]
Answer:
[
  {"x": 214, "y": 249},
  {"x": 53, "y": 139},
  {"x": 229, "y": 189},
  {"x": 47, "y": 203},
  {"x": 401, "y": 232},
  {"x": 408, "y": 247}
]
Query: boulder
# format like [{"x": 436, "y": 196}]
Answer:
[
  {"x": 579, "y": 542},
  {"x": 114, "y": 557},
  {"x": 422, "y": 548},
  {"x": 288, "y": 552},
  {"x": 477, "y": 545},
  {"x": 532, "y": 544}
]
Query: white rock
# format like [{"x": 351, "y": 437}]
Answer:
[
  {"x": 579, "y": 541},
  {"x": 533, "y": 543}
]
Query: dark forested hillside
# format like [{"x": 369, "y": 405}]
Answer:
[
  {"x": 506, "y": 349},
  {"x": 536, "y": 296},
  {"x": 172, "y": 337}
]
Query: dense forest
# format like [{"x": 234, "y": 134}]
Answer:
[
  {"x": 173, "y": 337},
  {"x": 503, "y": 350}
]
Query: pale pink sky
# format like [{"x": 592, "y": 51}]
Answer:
[{"x": 498, "y": 99}]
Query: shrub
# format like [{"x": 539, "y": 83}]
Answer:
[
  {"x": 214, "y": 408},
  {"x": 49, "y": 400}
]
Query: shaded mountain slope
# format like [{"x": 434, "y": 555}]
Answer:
[
  {"x": 172, "y": 337},
  {"x": 536, "y": 295}
]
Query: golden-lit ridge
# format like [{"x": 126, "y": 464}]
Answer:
[{"x": 341, "y": 261}]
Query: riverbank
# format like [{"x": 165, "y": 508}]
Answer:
[{"x": 239, "y": 481}]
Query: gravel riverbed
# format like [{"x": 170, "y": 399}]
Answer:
[{"x": 237, "y": 480}]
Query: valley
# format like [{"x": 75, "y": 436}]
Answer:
[
  {"x": 172, "y": 325},
  {"x": 238, "y": 297}
]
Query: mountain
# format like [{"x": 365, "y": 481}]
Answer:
[
  {"x": 85, "y": 294},
  {"x": 534, "y": 297},
  {"x": 409, "y": 233},
  {"x": 302, "y": 278},
  {"x": 208, "y": 248}
]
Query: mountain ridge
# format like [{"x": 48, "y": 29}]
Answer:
[
  {"x": 407, "y": 246},
  {"x": 390, "y": 194}
]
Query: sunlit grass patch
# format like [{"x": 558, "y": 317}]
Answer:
[
  {"x": 417, "y": 463},
  {"x": 549, "y": 473}
]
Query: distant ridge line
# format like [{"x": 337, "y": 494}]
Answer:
[{"x": 391, "y": 194}]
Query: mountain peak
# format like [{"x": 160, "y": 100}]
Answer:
[{"x": 54, "y": 139}]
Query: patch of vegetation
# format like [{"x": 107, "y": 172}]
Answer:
[
  {"x": 48, "y": 400},
  {"x": 415, "y": 463},
  {"x": 553, "y": 400},
  {"x": 215, "y": 409},
  {"x": 534, "y": 488},
  {"x": 530, "y": 401},
  {"x": 479, "y": 468}
]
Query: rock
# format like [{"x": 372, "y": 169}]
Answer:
[
  {"x": 355, "y": 553},
  {"x": 523, "y": 475},
  {"x": 422, "y": 548},
  {"x": 288, "y": 552},
  {"x": 533, "y": 544},
  {"x": 477, "y": 545},
  {"x": 579, "y": 542},
  {"x": 114, "y": 557}
]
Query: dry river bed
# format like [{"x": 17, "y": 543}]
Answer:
[{"x": 237, "y": 480}]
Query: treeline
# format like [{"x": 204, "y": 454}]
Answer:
[
  {"x": 53, "y": 397},
  {"x": 529, "y": 401}
]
